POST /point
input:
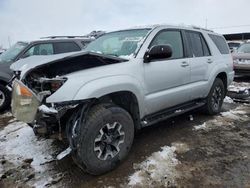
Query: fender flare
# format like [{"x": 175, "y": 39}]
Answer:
[
  {"x": 213, "y": 75},
  {"x": 102, "y": 86}
]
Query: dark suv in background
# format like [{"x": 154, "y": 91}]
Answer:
[{"x": 44, "y": 46}]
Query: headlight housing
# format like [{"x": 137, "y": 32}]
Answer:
[{"x": 24, "y": 103}]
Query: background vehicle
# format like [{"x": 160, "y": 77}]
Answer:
[
  {"x": 45, "y": 46},
  {"x": 242, "y": 60},
  {"x": 234, "y": 45},
  {"x": 124, "y": 81}
]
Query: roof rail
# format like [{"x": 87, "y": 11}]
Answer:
[
  {"x": 93, "y": 34},
  {"x": 200, "y": 28},
  {"x": 70, "y": 37}
]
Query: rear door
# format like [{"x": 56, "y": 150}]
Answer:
[
  {"x": 200, "y": 62},
  {"x": 166, "y": 79}
]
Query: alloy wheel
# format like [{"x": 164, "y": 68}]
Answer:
[
  {"x": 217, "y": 97},
  {"x": 108, "y": 141}
]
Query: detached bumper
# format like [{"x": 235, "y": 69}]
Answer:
[{"x": 25, "y": 103}]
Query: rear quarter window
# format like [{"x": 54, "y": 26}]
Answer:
[{"x": 221, "y": 44}]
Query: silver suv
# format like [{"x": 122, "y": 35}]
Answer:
[{"x": 124, "y": 81}]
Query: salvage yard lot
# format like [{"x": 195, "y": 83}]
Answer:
[{"x": 192, "y": 150}]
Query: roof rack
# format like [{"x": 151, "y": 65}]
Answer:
[
  {"x": 93, "y": 34},
  {"x": 70, "y": 37},
  {"x": 200, "y": 28}
]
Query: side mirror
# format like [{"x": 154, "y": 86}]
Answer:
[{"x": 158, "y": 52}]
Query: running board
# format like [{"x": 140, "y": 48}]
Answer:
[{"x": 170, "y": 112}]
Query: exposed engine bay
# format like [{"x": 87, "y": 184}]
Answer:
[{"x": 49, "y": 77}]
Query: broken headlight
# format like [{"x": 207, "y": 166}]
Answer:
[{"x": 24, "y": 102}]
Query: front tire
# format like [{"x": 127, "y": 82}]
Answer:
[
  {"x": 215, "y": 98},
  {"x": 103, "y": 139},
  {"x": 4, "y": 98}
]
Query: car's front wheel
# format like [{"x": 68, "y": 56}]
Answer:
[
  {"x": 215, "y": 98},
  {"x": 4, "y": 98},
  {"x": 104, "y": 138}
]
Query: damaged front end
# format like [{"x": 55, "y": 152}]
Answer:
[
  {"x": 40, "y": 78},
  {"x": 31, "y": 107}
]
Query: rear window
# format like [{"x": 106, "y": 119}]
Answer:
[
  {"x": 64, "y": 47},
  {"x": 221, "y": 44}
]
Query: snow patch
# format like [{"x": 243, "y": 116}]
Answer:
[
  {"x": 234, "y": 114},
  {"x": 191, "y": 118},
  {"x": 18, "y": 142},
  {"x": 228, "y": 100},
  {"x": 239, "y": 87},
  {"x": 158, "y": 169},
  {"x": 199, "y": 127},
  {"x": 225, "y": 118}
]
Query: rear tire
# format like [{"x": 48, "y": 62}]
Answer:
[
  {"x": 4, "y": 98},
  {"x": 215, "y": 98},
  {"x": 103, "y": 139}
]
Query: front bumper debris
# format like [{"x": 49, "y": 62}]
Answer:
[{"x": 24, "y": 102}]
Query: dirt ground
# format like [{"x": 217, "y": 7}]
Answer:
[{"x": 192, "y": 150}]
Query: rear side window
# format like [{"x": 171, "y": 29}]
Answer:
[
  {"x": 197, "y": 43},
  {"x": 172, "y": 38},
  {"x": 64, "y": 47},
  {"x": 221, "y": 44}
]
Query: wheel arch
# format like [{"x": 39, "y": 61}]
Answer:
[
  {"x": 223, "y": 77},
  {"x": 126, "y": 100}
]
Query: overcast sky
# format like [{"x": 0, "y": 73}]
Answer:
[{"x": 32, "y": 19}]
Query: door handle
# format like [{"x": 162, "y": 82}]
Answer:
[
  {"x": 209, "y": 61},
  {"x": 184, "y": 64}
]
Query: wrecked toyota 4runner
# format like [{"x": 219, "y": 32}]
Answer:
[{"x": 125, "y": 80}]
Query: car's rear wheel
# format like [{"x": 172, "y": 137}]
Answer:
[
  {"x": 4, "y": 98},
  {"x": 104, "y": 138},
  {"x": 215, "y": 98}
]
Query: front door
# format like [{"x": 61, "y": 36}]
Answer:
[{"x": 166, "y": 79}]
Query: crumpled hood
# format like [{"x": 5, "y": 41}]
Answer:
[
  {"x": 31, "y": 62},
  {"x": 27, "y": 64}
]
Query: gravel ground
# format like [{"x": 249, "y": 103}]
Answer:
[{"x": 192, "y": 150}]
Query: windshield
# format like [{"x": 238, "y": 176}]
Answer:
[
  {"x": 120, "y": 43},
  {"x": 13, "y": 51},
  {"x": 244, "y": 48}
]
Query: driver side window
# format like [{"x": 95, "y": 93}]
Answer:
[{"x": 172, "y": 38}]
